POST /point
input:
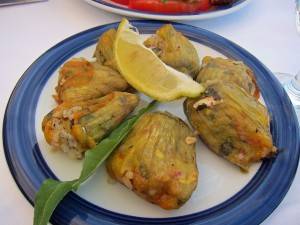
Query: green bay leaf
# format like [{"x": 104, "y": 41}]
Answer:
[{"x": 48, "y": 197}]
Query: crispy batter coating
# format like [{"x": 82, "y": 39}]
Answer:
[
  {"x": 80, "y": 80},
  {"x": 228, "y": 70},
  {"x": 104, "y": 50},
  {"x": 175, "y": 50},
  {"x": 156, "y": 161},
  {"x": 232, "y": 123},
  {"x": 74, "y": 127}
]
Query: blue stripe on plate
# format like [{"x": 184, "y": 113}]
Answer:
[{"x": 249, "y": 206}]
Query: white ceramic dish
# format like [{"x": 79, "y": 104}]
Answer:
[
  {"x": 224, "y": 194},
  {"x": 214, "y": 187}
]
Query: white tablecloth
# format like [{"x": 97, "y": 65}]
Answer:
[{"x": 266, "y": 28}]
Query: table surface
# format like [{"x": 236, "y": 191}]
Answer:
[{"x": 265, "y": 28}]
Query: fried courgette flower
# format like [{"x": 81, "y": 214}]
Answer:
[
  {"x": 80, "y": 80},
  {"x": 175, "y": 50},
  {"x": 104, "y": 50},
  {"x": 232, "y": 123},
  {"x": 157, "y": 160},
  {"x": 228, "y": 70},
  {"x": 74, "y": 127}
]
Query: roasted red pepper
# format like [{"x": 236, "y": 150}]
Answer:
[
  {"x": 123, "y": 2},
  {"x": 169, "y": 6}
]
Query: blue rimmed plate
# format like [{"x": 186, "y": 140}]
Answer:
[
  {"x": 224, "y": 195},
  {"x": 113, "y": 7}
]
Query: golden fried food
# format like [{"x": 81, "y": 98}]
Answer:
[
  {"x": 74, "y": 127},
  {"x": 104, "y": 50},
  {"x": 228, "y": 70},
  {"x": 232, "y": 123},
  {"x": 175, "y": 50},
  {"x": 81, "y": 80},
  {"x": 157, "y": 160}
]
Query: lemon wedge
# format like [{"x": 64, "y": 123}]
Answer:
[{"x": 146, "y": 72}]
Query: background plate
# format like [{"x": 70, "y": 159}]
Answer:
[
  {"x": 110, "y": 6},
  {"x": 248, "y": 205}
]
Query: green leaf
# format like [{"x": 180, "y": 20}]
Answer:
[
  {"x": 52, "y": 191},
  {"x": 48, "y": 197}
]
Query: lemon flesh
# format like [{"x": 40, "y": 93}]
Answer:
[{"x": 146, "y": 72}]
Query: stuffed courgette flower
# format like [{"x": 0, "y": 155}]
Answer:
[
  {"x": 175, "y": 50},
  {"x": 170, "y": 46},
  {"x": 228, "y": 70},
  {"x": 104, "y": 50},
  {"x": 80, "y": 80},
  {"x": 232, "y": 123},
  {"x": 157, "y": 160},
  {"x": 74, "y": 127}
]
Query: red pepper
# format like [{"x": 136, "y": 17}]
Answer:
[
  {"x": 169, "y": 6},
  {"x": 123, "y": 2}
]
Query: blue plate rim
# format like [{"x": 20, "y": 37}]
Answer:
[{"x": 116, "y": 217}]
